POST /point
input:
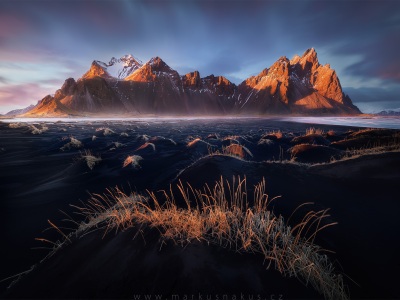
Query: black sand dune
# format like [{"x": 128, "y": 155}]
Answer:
[
  {"x": 39, "y": 177},
  {"x": 119, "y": 266}
]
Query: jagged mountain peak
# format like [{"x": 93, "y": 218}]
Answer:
[
  {"x": 280, "y": 68},
  {"x": 309, "y": 60},
  {"x": 151, "y": 70},
  {"x": 157, "y": 64},
  {"x": 283, "y": 59},
  {"x": 300, "y": 86},
  {"x": 123, "y": 66},
  {"x": 310, "y": 53},
  {"x": 192, "y": 79},
  {"x": 296, "y": 58},
  {"x": 117, "y": 68},
  {"x": 97, "y": 69}
]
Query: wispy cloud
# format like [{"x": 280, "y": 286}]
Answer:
[
  {"x": 234, "y": 38},
  {"x": 22, "y": 95}
]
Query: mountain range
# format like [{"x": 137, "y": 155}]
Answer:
[{"x": 126, "y": 86}]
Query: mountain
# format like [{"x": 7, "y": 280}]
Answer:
[
  {"x": 389, "y": 113},
  {"x": 21, "y": 111},
  {"x": 301, "y": 85},
  {"x": 129, "y": 87}
]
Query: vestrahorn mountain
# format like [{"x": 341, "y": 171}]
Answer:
[{"x": 126, "y": 86}]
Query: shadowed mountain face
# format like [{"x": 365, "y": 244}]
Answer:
[{"x": 297, "y": 86}]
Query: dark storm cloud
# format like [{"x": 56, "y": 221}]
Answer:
[
  {"x": 195, "y": 30},
  {"x": 234, "y": 38}
]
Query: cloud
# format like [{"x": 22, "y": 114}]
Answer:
[
  {"x": 12, "y": 26},
  {"x": 371, "y": 100},
  {"x": 3, "y": 80},
  {"x": 21, "y": 95},
  {"x": 235, "y": 38}
]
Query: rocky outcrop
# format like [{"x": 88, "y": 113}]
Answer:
[
  {"x": 192, "y": 80},
  {"x": 298, "y": 86},
  {"x": 97, "y": 69},
  {"x": 301, "y": 86}
]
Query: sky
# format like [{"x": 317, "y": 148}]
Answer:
[{"x": 44, "y": 42}]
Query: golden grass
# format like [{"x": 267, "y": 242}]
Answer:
[
  {"x": 231, "y": 137},
  {"x": 235, "y": 150},
  {"x": 193, "y": 142},
  {"x": 221, "y": 215},
  {"x": 331, "y": 132},
  {"x": 132, "y": 160},
  {"x": 277, "y": 134},
  {"x": 146, "y": 145},
  {"x": 312, "y": 130}
]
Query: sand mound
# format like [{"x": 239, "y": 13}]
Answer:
[
  {"x": 133, "y": 160},
  {"x": 237, "y": 150},
  {"x": 146, "y": 148},
  {"x": 307, "y": 153},
  {"x": 200, "y": 147},
  {"x": 118, "y": 266},
  {"x": 314, "y": 138}
]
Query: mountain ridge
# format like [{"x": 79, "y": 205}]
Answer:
[{"x": 298, "y": 86}]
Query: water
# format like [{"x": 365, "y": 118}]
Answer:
[{"x": 368, "y": 122}]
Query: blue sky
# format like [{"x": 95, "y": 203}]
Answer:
[{"x": 43, "y": 42}]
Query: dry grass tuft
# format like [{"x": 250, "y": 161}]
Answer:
[
  {"x": 193, "y": 142},
  {"x": 90, "y": 159},
  {"x": 331, "y": 133},
  {"x": 275, "y": 135},
  {"x": 221, "y": 215},
  {"x": 147, "y": 145},
  {"x": 106, "y": 131},
  {"x": 117, "y": 145},
  {"x": 312, "y": 130},
  {"x": 234, "y": 150},
  {"x": 38, "y": 130},
  {"x": 16, "y": 125},
  {"x": 73, "y": 144},
  {"x": 133, "y": 160}
]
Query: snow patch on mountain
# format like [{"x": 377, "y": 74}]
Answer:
[{"x": 121, "y": 67}]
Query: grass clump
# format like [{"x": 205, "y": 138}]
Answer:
[
  {"x": 132, "y": 160},
  {"x": 312, "y": 130},
  {"x": 193, "y": 142},
  {"x": 106, "y": 131},
  {"x": 147, "y": 145},
  {"x": 221, "y": 215},
  {"x": 90, "y": 159},
  {"x": 237, "y": 150},
  {"x": 72, "y": 144},
  {"x": 234, "y": 150},
  {"x": 16, "y": 125},
  {"x": 274, "y": 135}
]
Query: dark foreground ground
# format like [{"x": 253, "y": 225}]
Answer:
[{"x": 41, "y": 174}]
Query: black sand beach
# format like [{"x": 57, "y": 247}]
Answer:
[{"x": 46, "y": 168}]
